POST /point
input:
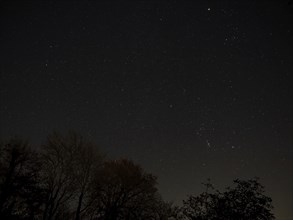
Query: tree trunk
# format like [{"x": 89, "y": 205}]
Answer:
[{"x": 77, "y": 216}]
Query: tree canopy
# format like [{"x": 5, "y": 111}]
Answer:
[
  {"x": 68, "y": 178},
  {"x": 244, "y": 201}
]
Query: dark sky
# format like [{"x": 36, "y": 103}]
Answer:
[{"x": 189, "y": 90}]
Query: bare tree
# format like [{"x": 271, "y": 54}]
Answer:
[
  {"x": 20, "y": 195},
  {"x": 69, "y": 163},
  {"x": 86, "y": 163},
  {"x": 124, "y": 190},
  {"x": 57, "y": 172},
  {"x": 69, "y": 179}
]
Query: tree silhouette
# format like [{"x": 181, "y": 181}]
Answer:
[
  {"x": 247, "y": 201},
  {"x": 69, "y": 163},
  {"x": 20, "y": 194},
  {"x": 70, "y": 179},
  {"x": 57, "y": 173},
  {"x": 124, "y": 191},
  {"x": 87, "y": 161},
  {"x": 167, "y": 211},
  {"x": 244, "y": 201}
]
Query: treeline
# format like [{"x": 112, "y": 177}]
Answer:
[{"x": 67, "y": 178}]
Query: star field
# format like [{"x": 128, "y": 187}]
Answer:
[{"x": 188, "y": 90}]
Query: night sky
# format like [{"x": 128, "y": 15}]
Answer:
[{"x": 189, "y": 90}]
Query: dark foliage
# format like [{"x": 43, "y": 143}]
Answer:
[{"x": 244, "y": 201}]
